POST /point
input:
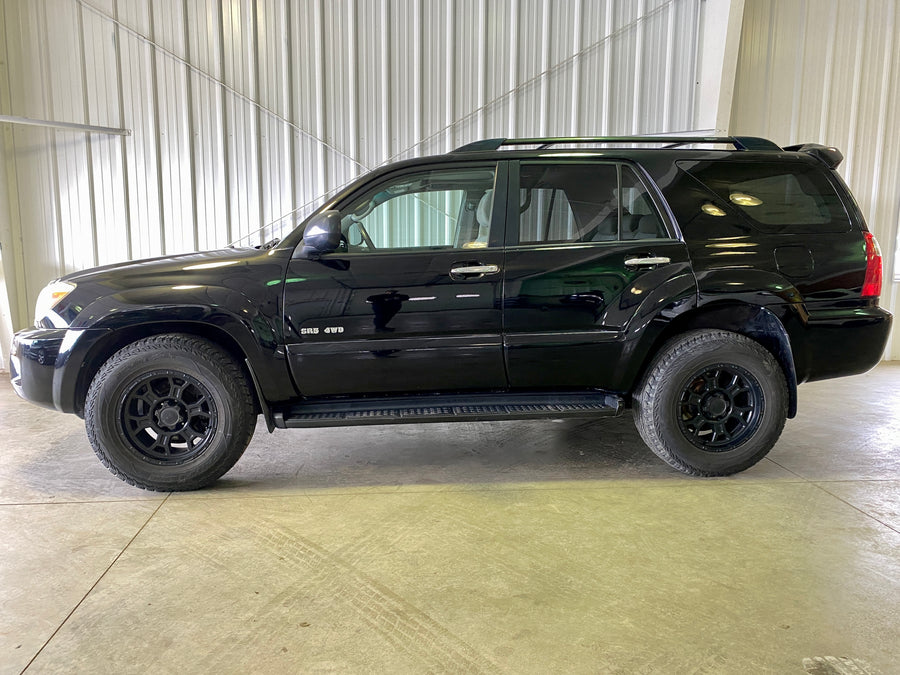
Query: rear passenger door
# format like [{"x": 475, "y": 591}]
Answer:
[{"x": 590, "y": 260}]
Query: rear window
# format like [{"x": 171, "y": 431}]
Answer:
[{"x": 777, "y": 197}]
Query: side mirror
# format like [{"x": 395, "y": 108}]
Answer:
[{"x": 322, "y": 235}]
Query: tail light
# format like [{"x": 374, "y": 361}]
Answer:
[{"x": 872, "y": 283}]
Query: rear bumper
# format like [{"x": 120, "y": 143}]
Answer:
[{"x": 845, "y": 342}]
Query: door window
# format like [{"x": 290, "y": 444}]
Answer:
[
  {"x": 441, "y": 209},
  {"x": 640, "y": 219},
  {"x": 578, "y": 203}
]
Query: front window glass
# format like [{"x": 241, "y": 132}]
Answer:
[{"x": 441, "y": 209}]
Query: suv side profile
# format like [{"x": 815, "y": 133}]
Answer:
[{"x": 698, "y": 283}]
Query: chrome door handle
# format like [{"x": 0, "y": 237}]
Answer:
[
  {"x": 473, "y": 270},
  {"x": 647, "y": 262}
]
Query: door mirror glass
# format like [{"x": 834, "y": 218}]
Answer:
[{"x": 322, "y": 235}]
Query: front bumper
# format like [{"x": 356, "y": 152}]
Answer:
[
  {"x": 32, "y": 363},
  {"x": 45, "y": 364}
]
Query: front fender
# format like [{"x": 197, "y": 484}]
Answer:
[{"x": 249, "y": 330}]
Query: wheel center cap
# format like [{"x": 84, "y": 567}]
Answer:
[
  {"x": 716, "y": 405},
  {"x": 169, "y": 417}
]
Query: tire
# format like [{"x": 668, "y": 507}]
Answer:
[
  {"x": 169, "y": 413},
  {"x": 712, "y": 403}
]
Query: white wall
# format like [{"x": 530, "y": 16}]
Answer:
[
  {"x": 828, "y": 71},
  {"x": 242, "y": 111}
]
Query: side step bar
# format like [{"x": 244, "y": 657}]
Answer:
[{"x": 447, "y": 408}]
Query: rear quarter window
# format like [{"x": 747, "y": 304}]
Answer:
[{"x": 776, "y": 197}]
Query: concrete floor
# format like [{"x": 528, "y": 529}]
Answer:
[{"x": 500, "y": 547}]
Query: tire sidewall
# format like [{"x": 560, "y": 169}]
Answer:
[
  {"x": 675, "y": 374},
  {"x": 104, "y": 416}
]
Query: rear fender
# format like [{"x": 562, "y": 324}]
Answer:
[
  {"x": 653, "y": 303},
  {"x": 756, "y": 322}
]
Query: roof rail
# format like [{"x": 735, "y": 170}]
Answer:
[{"x": 739, "y": 142}]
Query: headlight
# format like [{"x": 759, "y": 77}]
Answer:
[{"x": 48, "y": 299}]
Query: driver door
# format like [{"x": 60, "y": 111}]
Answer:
[{"x": 411, "y": 300}]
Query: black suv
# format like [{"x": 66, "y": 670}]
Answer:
[{"x": 697, "y": 283}]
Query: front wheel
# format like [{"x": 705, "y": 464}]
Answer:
[
  {"x": 712, "y": 403},
  {"x": 170, "y": 412}
]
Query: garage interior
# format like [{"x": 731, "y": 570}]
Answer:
[{"x": 134, "y": 129}]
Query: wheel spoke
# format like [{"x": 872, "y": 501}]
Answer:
[
  {"x": 190, "y": 435},
  {"x": 139, "y": 422},
  {"x": 176, "y": 390},
  {"x": 164, "y": 441},
  {"x": 148, "y": 398},
  {"x": 198, "y": 409},
  {"x": 720, "y": 433},
  {"x": 145, "y": 445},
  {"x": 737, "y": 388},
  {"x": 743, "y": 419},
  {"x": 698, "y": 426}
]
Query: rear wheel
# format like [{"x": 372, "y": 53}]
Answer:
[
  {"x": 170, "y": 412},
  {"x": 712, "y": 403}
]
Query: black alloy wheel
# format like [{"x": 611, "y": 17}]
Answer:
[
  {"x": 711, "y": 403},
  {"x": 168, "y": 416},
  {"x": 170, "y": 412},
  {"x": 720, "y": 407}
]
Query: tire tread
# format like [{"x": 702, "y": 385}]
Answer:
[
  {"x": 648, "y": 409},
  {"x": 198, "y": 349}
]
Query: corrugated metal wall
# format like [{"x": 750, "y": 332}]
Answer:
[
  {"x": 828, "y": 71},
  {"x": 242, "y": 111}
]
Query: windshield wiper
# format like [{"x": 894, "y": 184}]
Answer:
[{"x": 269, "y": 244}]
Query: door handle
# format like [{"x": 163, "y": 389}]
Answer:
[
  {"x": 647, "y": 262},
  {"x": 476, "y": 271}
]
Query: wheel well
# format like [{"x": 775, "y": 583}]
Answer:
[
  {"x": 109, "y": 345},
  {"x": 752, "y": 321}
]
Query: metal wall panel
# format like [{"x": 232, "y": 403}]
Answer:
[
  {"x": 245, "y": 114},
  {"x": 828, "y": 71}
]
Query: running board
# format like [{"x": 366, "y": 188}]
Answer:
[{"x": 448, "y": 408}]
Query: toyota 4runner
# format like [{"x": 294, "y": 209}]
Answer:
[{"x": 697, "y": 283}]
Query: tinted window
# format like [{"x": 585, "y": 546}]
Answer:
[
  {"x": 584, "y": 203},
  {"x": 783, "y": 197},
  {"x": 639, "y": 217},
  {"x": 700, "y": 214},
  {"x": 435, "y": 209}
]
